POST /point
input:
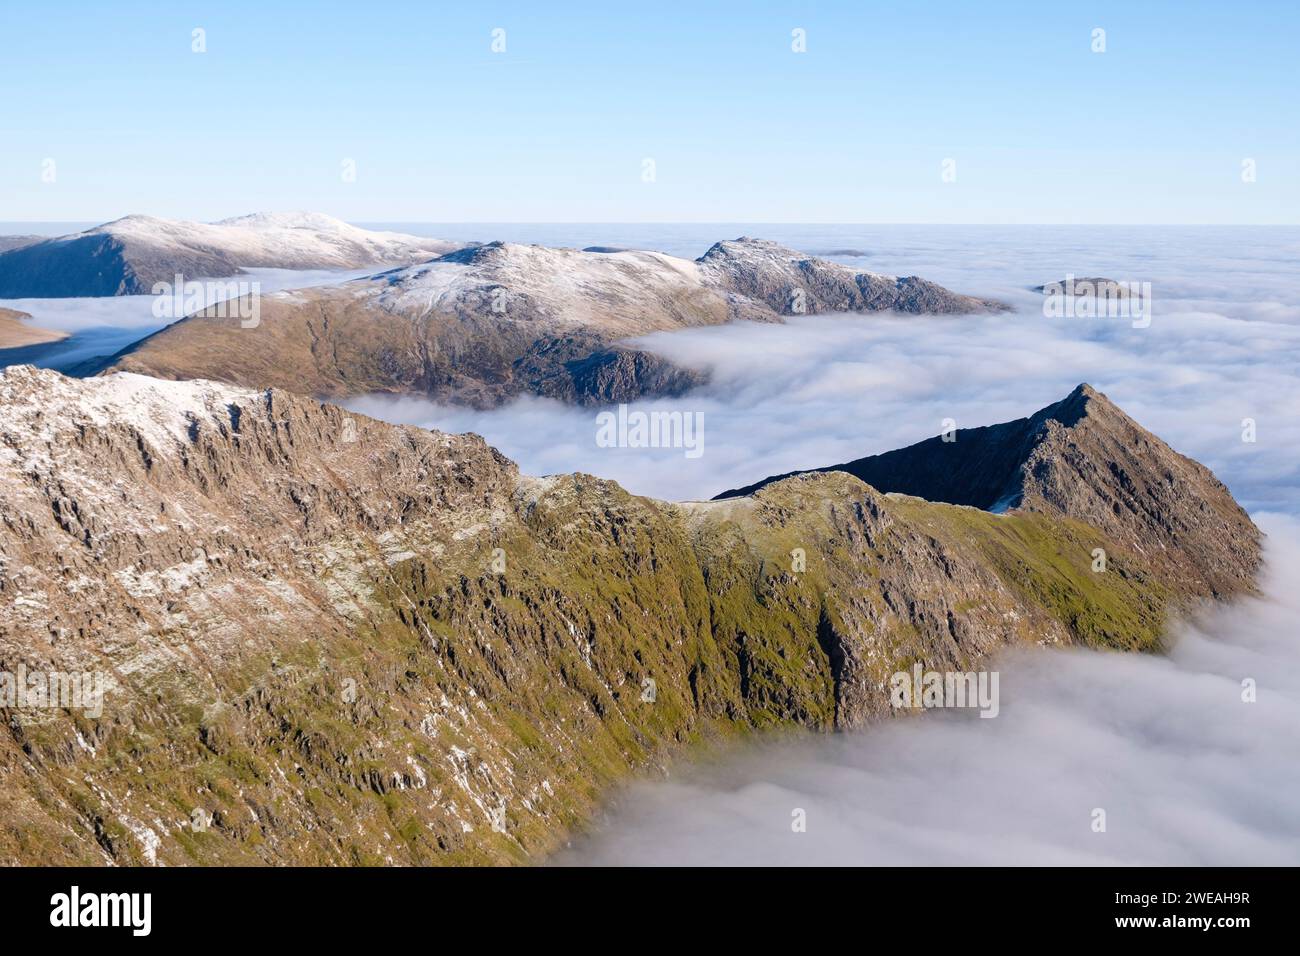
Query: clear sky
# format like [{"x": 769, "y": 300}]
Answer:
[{"x": 739, "y": 126}]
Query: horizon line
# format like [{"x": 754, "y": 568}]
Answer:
[{"x": 677, "y": 222}]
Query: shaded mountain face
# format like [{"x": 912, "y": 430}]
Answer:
[
  {"x": 484, "y": 324},
  {"x": 1084, "y": 458},
  {"x": 127, "y": 256},
  {"x": 327, "y": 639}
]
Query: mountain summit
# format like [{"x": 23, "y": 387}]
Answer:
[
  {"x": 128, "y": 255},
  {"x": 1084, "y": 458}
]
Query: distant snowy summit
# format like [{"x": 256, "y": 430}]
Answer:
[
  {"x": 485, "y": 323},
  {"x": 129, "y": 255}
]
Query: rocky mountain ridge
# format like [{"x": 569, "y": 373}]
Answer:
[
  {"x": 327, "y": 639},
  {"x": 1081, "y": 457}
]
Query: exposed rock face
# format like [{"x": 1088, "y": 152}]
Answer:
[
  {"x": 1084, "y": 458},
  {"x": 484, "y": 324},
  {"x": 127, "y": 256},
  {"x": 598, "y": 375},
  {"x": 16, "y": 332},
  {"x": 334, "y": 640},
  {"x": 791, "y": 283}
]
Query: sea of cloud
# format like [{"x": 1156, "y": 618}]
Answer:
[{"x": 127, "y": 313}]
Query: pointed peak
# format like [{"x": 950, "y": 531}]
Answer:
[
  {"x": 1086, "y": 392},
  {"x": 1081, "y": 402},
  {"x": 988, "y": 458}
]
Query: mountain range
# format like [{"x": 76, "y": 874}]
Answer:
[
  {"x": 467, "y": 323},
  {"x": 483, "y": 324},
  {"x": 328, "y": 639}
]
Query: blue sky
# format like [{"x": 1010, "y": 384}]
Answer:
[{"x": 740, "y": 127}]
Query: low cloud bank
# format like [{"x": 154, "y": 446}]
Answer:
[
  {"x": 119, "y": 313},
  {"x": 1185, "y": 770}
]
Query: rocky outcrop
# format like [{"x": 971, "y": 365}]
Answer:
[
  {"x": 485, "y": 324},
  {"x": 1084, "y": 458},
  {"x": 580, "y": 370},
  {"x": 326, "y": 639},
  {"x": 1085, "y": 286},
  {"x": 790, "y": 283},
  {"x": 128, "y": 256}
]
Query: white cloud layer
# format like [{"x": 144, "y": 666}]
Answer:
[
  {"x": 135, "y": 312},
  {"x": 102, "y": 326}
]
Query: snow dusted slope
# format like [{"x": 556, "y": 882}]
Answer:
[
  {"x": 160, "y": 412},
  {"x": 127, "y": 256},
  {"x": 627, "y": 292},
  {"x": 295, "y": 240}
]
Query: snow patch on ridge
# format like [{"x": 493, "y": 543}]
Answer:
[
  {"x": 276, "y": 239},
  {"x": 565, "y": 283},
  {"x": 41, "y": 404}
]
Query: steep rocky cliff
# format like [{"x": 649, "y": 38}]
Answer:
[{"x": 332, "y": 640}]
